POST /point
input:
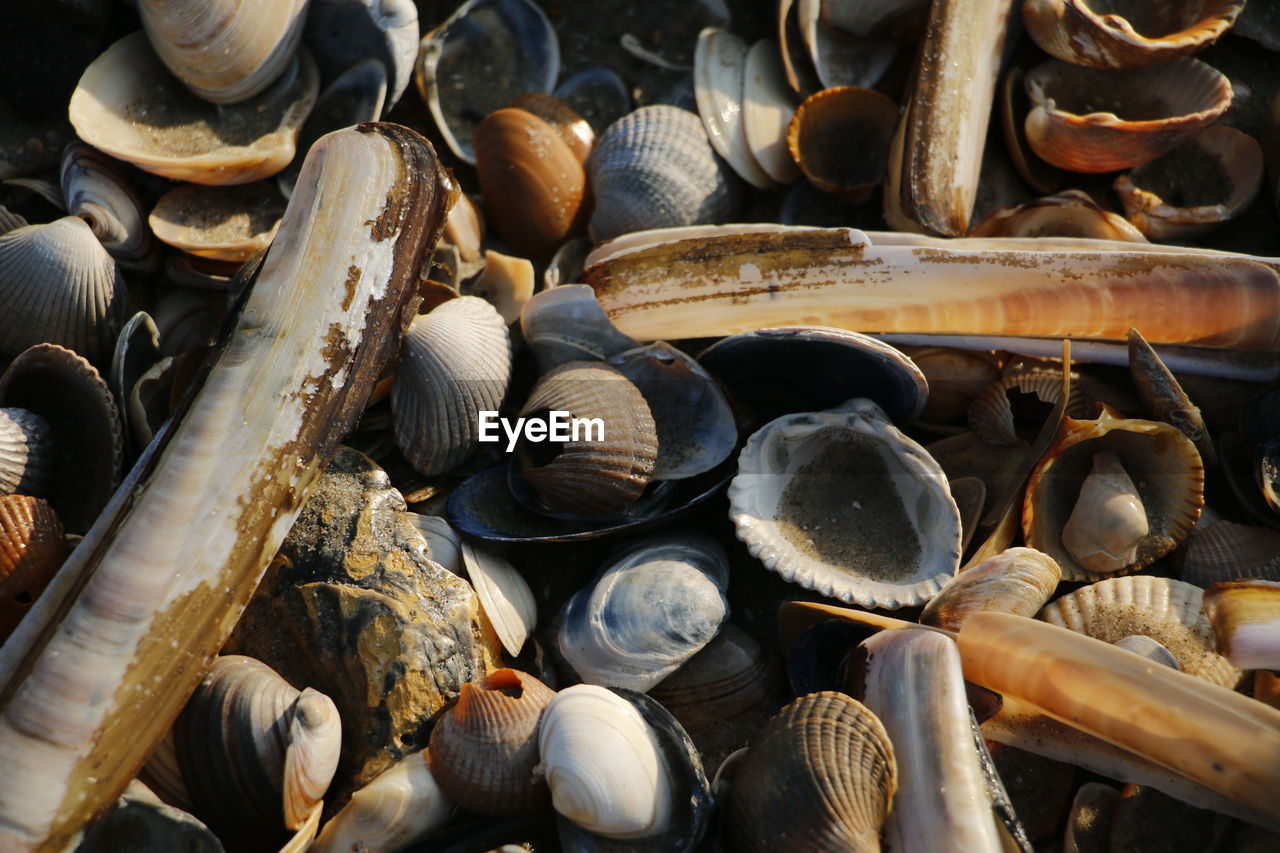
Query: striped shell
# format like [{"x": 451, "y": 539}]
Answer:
[
  {"x": 1226, "y": 551},
  {"x": 1019, "y": 580},
  {"x": 31, "y": 550},
  {"x": 456, "y": 363},
  {"x": 655, "y": 168},
  {"x": 97, "y": 190},
  {"x": 25, "y": 461}
]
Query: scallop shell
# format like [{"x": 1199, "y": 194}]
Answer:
[
  {"x": 504, "y": 595},
  {"x": 820, "y": 776},
  {"x": 647, "y": 612},
  {"x": 484, "y": 749},
  {"x": 655, "y": 168},
  {"x": 719, "y": 74},
  {"x": 1068, "y": 214},
  {"x": 26, "y": 464},
  {"x": 840, "y": 139},
  {"x": 128, "y": 106},
  {"x": 401, "y": 805},
  {"x": 1019, "y": 580},
  {"x": 342, "y": 33},
  {"x": 221, "y": 223},
  {"x": 728, "y": 677},
  {"x": 59, "y": 286},
  {"x": 32, "y": 548},
  {"x": 566, "y": 323},
  {"x": 1087, "y": 120},
  {"x": 456, "y": 363},
  {"x": 1162, "y": 462},
  {"x": 98, "y": 192},
  {"x": 1166, "y": 610},
  {"x": 1226, "y": 551},
  {"x": 814, "y": 501}
]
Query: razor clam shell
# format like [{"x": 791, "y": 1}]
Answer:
[
  {"x": 58, "y": 285},
  {"x": 719, "y": 74},
  {"x": 566, "y": 323},
  {"x": 687, "y": 283},
  {"x": 342, "y": 33},
  {"x": 32, "y": 548},
  {"x": 26, "y": 466},
  {"x": 1246, "y": 620},
  {"x": 504, "y": 594},
  {"x": 1226, "y": 551},
  {"x": 1019, "y": 580},
  {"x": 456, "y": 363},
  {"x": 401, "y": 805},
  {"x": 655, "y": 168},
  {"x": 1164, "y": 609},
  {"x": 97, "y": 191},
  {"x": 767, "y": 105},
  {"x": 220, "y": 223}
]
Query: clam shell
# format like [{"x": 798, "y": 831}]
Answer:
[
  {"x": 1014, "y": 106},
  {"x": 1166, "y": 610},
  {"x": 729, "y": 676},
  {"x": 767, "y": 105},
  {"x": 647, "y": 612},
  {"x": 456, "y": 363},
  {"x": 1019, "y": 580},
  {"x": 572, "y": 128},
  {"x": 838, "y": 59},
  {"x": 32, "y": 548},
  {"x": 843, "y": 503},
  {"x": 221, "y": 223},
  {"x": 444, "y": 546},
  {"x": 506, "y": 283},
  {"x": 484, "y": 749},
  {"x": 1086, "y": 120},
  {"x": 840, "y": 138},
  {"x": 870, "y": 17},
  {"x": 342, "y": 33},
  {"x": 26, "y": 461},
  {"x": 655, "y": 168},
  {"x": 954, "y": 376},
  {"x": 597, "y": 94},
  {"x": 719, "y": 78},
  {"x": 566, "y": 323},
  {"x": 401, "y": 805},
  {"x": 59, "y": 286},
  {"x": 1069, "y": 214},
  {"x": 821, "y": 775},
  {"x": 98, "y": 192},
  {"x": 1150, "y": 649},
  {"x": 1246, "y": 620},
  {"x": 504, "y": 594},
  {"x": 1226, "y": 551},
  {"x": 128, "y": 106},
  {"x": 1162, "y": 462}
]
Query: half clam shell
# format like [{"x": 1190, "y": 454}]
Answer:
[
  {"x": 719, "y": 74},
  {"x": 220, "y": 223},
  {"x": 96, "y": 190}
]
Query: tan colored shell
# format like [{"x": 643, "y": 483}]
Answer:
[
  {"x": 401, "y": 805},
  {"x": 1162, "y": 462},
  {"x": 1226, "y": 551},
  {"x": 1246, "y": 620},
  {"x": 25, "y": 453},
  {"x": 1086, "y": 120},
  {"x": 727, "y": 677},
  {"x": 955, "y": 377},
  {"x": 32, "y": 548},
  {"x": 1068, "y": 214},
  {"x": 821, "y": 131},
  {"x": 127, "y": 105},
  {"x": 991, "y": 413},
  {"x": 1166, "y": 610},
  {"x": 222, "y": 223},
  {"x": 1014, "y": 106},
  {"x": 820, "y": 776},
  {"x": 572, "y": 128},
  {"x": 1108, "y": 521},
  {"x": 506, "y": 282},
  {"x": 1019, "y": 580},
  {"x": 1127, "y": 33},
  {"x": 483, "y": 750}
]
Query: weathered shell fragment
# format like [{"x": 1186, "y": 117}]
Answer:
[
  {"x": 1164, "y": 397},
  {"x": 504, "y": 594},
  {"x": 1019, "y": 580},
  {"x": 222, "y": 223},
  {"x": 505, "y": 282},
  {"x": 1246, "y": 620},
  {"x": 402, "y": 804}
]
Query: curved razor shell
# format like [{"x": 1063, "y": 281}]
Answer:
[
  {"x": 504, "y": 594},
  {"x": 401, "y": 805},
  {"x": 100, "y": 668},
  {"x": 711, "y": 282}
]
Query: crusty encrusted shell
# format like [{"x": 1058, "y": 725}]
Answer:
[
  {"x": 1019, "y": 580},
  {"x": 32, "y": 548},
  {"x": 25, "y": 453}
]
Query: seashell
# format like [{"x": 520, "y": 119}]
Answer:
[
  {"x": 593, "y": 478},
  {"x": 1088, "y": 826},
  {"x": 796, "y": 63},
  {"x": 504, "y": 595},
  {"x": 342, "y": 33},
  {"x": 648, "y": 611},
  {"x": 843, "y": 503},
  {"x": 59, "y": 286},
  {"x": 1164, "y": 397},
  {"x": 1147, "y": 819},
  {"x": 655, "y": 168},
  {"x": 1069, "y": 214},
  {"x": 840, "y": 139},
  {"x": 694, "y": 423},
  {"x": 1226, "y": 551},
  {"x": 10, "y": 220},
  {"x": 533, "y": 184},
  {"x": 565, "y": 265},
  {"x": 1166, "y": 610},
  {"x": 1108, "y": 521},
  {"x": 1169, "y": 482},
  {"x": 603, "y": 765},
  {"x": 486, "y": 53},
  {"x": 136, "y": 353},
  {"x": 26, "y": 453},
  {"x": 1019, "y": 580},
  {"x": 222, "y": 223},
  {"x": 257, "y": 755},
  {"x": 767, "y": 106},
  {"x": 839, "y": 60},
  {"x": 566, "y": 323},
  {"x": 1152, "y": 650},
  {"x": 871, "y": 17},
  {"x": 1086, "y": 120},
  {"x": 573, "y": 130},
  {"x": 32, "y": 549},
  {"x": 97, "y": 191},
  {"x": 1126, "y": 35},
  {"x": 719, "y": 80},
  {"x": 954, "y": 377},
  {"x": 1246, "y": 620},
  {"x": 444, "y": 546},
  {"x": 225, "y": 51},
  {"x": 484, "y": 749},
  {"x": 1014, "y": 106},
  {"x": 991, "y": 415},
  {"x": 129, "y": 107},
  {"x": 402, "y": 805},
  {"x": 820, "y": 775},
  {"x": 1192, "y": 189},
  {"x": 506, "y": 283},
  {"x": 726, "y": 678},
  {"x": 597, "y": 94},
  {"x": 456, "y": 363},
  {"x": 970, "y": 495}
]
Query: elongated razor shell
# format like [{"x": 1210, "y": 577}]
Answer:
[
  {"x": 688, "y": 283},
  {"x": 103, "y": 664}
]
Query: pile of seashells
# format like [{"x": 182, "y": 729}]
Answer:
[{"x": 913, "y": 498}]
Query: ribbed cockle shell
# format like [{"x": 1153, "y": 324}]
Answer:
[
  {"x": 25, "y": 453},
  {"x": 31, "y": 550},
  {"x": 1019, "y": 580}
]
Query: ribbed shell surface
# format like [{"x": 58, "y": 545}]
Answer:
[
  {"x": 1226, "y": 551},
  {"x": 456, "y": 362},
  {"x": 31, "y": 550},
  {"x": 25, "y": 462},
  {"x": 655, "y": 168},
  {"x": 1018, "y": 580}
]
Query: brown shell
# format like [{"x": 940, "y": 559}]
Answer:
[
  {"x": 1127, "y": 33},
  {"x": 484, "y": 749},
  {"x": 1068, "y": 214},
  {"x": 533, "y": 184},
  {"x": 1014, "y": 105},
  {"x": 594, "y": 478},
  {"x": 1086, "y": 120},
  {"x": 1245, "y": 616},
  {"x": 32, "y": 548},
  {"x": 727, "y": 677},
  {"x": 221, "y": 223},
  {"x": 1226, "y": 551},
  {"x": 26, "y": 454},
  {"x": 1019, "y": 580},
  {"x": 572, "y": 128},
  {"x": 991, "y": 414},
  {"x": 820, "y": 776},
  {"x": 840, "y": 139}
]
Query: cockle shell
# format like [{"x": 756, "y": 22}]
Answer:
[
  {"x": 401, "y": 805},
  {"x": 1019, "y": 580},
  {"x": 839, "y": 138},
  {"x": 648, "y": 611},
  {"x": 843, "y": 503},
  {"x": 96, "y": 190},
  {"x": 221, "y": 223},
  {"x": 32, "y": 548},
  {"x": 991, "y": 415},
  {"x": 821, "y": 775},
  {"x": 456, "y": 363},
  {"x": 1226, "y": 551},
  {"x": 484, "y": 749},
  {"x": 1108, "y": 521},
  {"x": 25, "y": 453}
]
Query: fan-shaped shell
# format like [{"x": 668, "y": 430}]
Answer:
[
  {"x": 1166, "y": 610},
  {"x": 26, "y": 462},
  {"x": 820, "y": 776},
  {"x": 31, "y": 550},
  {"x": 647, "y": 612},
  {"x": 729, "y": 676},
  {"x": 401, "y": 805},
  {"x": 566, "y": 323},
  {"x": 58, "y": 285},
  {"x": 1226, "y": 551},
  {"x": 1019, "y": 580},
  {"x": 222, "y": 223},
  {"x": 843, "y": 503},
  {"x": 840, "y": 139},
  {"x": 96, "y": 190},
  {"x": 456, "y": 363},
  {"x": 655, "y": 168},
  {"x": 483, "y": 750}
]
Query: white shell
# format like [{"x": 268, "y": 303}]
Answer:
[
  {"x": 719, "y": 72},
  {"x": 805, "y": 450},
  {"x": 767, "y": 106},
  {"x": 444, "y": 546},
  {"x": 401, "y": 805},
  {"x": 1108, "y": 521},
  {"x": 505, "y": 596},
  {"x": 566, "y": 323},
  {"x": 602, "y": 763}
]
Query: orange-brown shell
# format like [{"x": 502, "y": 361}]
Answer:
[
  {"x": 483, "y": 750},
  {"x": 840, "y": 137},
  {"x": 572, "y": 128},
  {"x": 1068, "y": 214},
  {"x": 31, "y": 550}
]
